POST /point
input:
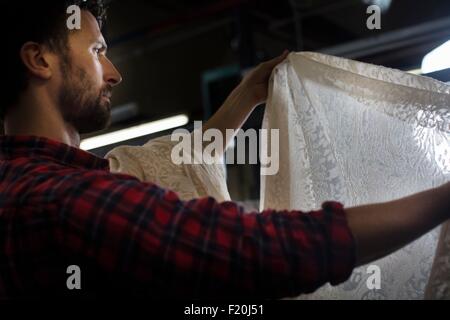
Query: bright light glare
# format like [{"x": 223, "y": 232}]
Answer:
[
  {"x": 438, "y": 59},
  {"x": 134, "y": 132}
]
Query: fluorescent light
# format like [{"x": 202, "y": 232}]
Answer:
[
  {"x": 415, "y": 71},
  {"x": 134, "y": 132},
  {"x": 438, "y": 59},
  {"x": 383, "y": 4}
]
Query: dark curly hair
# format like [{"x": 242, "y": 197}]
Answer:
[{"x": 41, "y": 21}]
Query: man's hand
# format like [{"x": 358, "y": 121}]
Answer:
[
  {"x": 256, "y": 81},
  {"x": 252, "y": 91},
  {"x": 382, "y": 228}
]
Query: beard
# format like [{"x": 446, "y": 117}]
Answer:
[{"x": 81, "y": 104}]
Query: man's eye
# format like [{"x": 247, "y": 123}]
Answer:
[{"x": 99, "y": 50}]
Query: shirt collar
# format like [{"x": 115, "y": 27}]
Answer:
[{"x": 18, "y": 146}]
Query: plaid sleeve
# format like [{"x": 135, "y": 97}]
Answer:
[{"x": 152, "y": 243}]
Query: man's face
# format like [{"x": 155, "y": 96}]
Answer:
[{"x": 87, "y": 79}]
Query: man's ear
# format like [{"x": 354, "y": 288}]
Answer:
[{"x": 36, "y": 59}]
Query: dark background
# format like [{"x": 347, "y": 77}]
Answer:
[{"x": 179, "y": 56}]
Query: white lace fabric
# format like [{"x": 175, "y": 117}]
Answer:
[
  {"x": 359, "y": 133},
  {"x": 152, "y": 162},
  {"x": 350, "y": 132}
]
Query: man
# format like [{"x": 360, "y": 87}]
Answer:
[{"x": 61, "y": 207}]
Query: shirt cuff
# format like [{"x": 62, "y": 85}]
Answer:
[{"x": 342, "y": 245}]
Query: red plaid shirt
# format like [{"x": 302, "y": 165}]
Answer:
[{"x": 60, "y": 206}]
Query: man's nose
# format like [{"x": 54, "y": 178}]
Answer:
[{"x": 112, "y": 75}]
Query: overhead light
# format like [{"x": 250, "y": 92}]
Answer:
[
  {"x": 383, "y": 4},
  {"x": 134, "y": 132},
  {"x": 438, "y": 59}
]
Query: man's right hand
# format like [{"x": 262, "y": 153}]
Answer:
[{"x": 380, "y": 229}]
